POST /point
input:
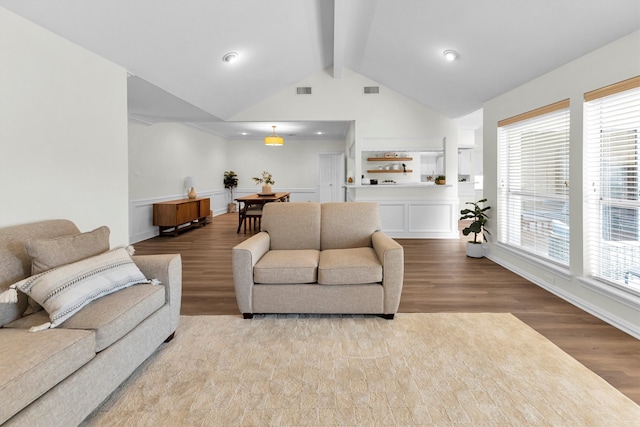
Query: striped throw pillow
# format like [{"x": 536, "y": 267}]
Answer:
[{"x": 64, "y": 290}]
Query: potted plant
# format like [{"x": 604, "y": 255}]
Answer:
[
  {"x": 479, "y": 217},
  {"x": 231, "y": 182},
  {"x": 267, "y": 181},
  {"x": 441, "y": 180}
]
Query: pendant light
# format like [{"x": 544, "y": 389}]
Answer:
[{"x": 274, "y": 139}]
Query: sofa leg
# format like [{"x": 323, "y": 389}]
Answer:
[
  {"x": 387, "y": 316},
  {"x": 170, "y": 337},
  {"x": 247, "y": 315}
]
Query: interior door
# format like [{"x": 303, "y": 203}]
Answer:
[{"x": 330, "y": 177}]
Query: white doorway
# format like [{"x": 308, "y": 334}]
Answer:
[{"x": 330, "y": 177}]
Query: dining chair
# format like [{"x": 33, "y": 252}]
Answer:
[{"x": 253, "y": 216}]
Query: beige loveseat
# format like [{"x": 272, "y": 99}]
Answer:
[
  {"x": 58, "y": 376},
  {"x": 319, "y": 258}
]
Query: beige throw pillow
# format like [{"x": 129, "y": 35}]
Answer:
[{"x": 51, "y": 253}]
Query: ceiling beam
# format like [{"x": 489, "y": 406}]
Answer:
[{"x": 339, "y": 36}]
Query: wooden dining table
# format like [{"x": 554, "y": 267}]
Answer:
[{"x": 247, "y": 202}]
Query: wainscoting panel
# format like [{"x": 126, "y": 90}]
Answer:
[
  {"x": 141, "y": 222},
  {"x": 393, "y": 217},
  {"x": 434, "y": 217},
  {"x": 420, "y": 219},
  {"x": 141, "y": 211}
]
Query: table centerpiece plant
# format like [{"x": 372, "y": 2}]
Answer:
[{"x": 266, "y": 180}]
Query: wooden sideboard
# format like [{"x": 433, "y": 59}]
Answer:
[{"x": 180, "y": 215}]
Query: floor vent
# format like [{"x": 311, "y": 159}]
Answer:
[
  {"x": 305, "y": 90},
  {"x": 371, "y": 90}
]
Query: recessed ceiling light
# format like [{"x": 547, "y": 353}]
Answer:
[
  {"x": 318, "y": 133},
  {"x": 451, "y": 55},
  {"x": 230, "y": 57},
  {"x": 244, "y": 133}
]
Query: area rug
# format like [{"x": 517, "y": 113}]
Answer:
[{"x": 419, "y": 369}]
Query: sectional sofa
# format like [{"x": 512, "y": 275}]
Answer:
[{"x": 56, "y": 368}]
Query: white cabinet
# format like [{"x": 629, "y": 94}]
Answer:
[
  {"x": 432, "y": 164},
  {"x": 464, "y": 162}
]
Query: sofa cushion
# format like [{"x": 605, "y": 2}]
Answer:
[
  {"x": 349, "y": 266},
  {"x": 51, "y": 253},
  {"x": 63, "y": 291},
  {"x": 16, "y": 264},
  {"x": 34, "y": 363},
  {"x": 115, "y": 315},
  {"x": 348, "y": 225},
  {"x": 287, "y": 266},
  {"x": 293, "y": 225},
  {"x": 110, "y": 317}
]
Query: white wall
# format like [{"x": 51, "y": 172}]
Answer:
[
  {"x": 350, "y": 150},
  {"x": 385, "y": 121},
  {"x": 161, "y": 156},
  {"x": 613, "y": 63},
  {"x": 293, "y": 165},
  {"x": 63, "y": 131}
]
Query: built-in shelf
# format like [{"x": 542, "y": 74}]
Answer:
[
  {"x": 389, "y": 171},
  {"x": 389, "y": 159}
]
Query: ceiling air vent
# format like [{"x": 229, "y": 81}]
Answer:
[
  {"x": 371, "y": 90},
  {"x": 304, "y": 90}
]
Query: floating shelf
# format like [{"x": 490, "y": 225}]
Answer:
[
  {"x": 389, "y": 159},
  {"x": 389, "y": 171}
]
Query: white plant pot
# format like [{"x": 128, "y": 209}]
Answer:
[{"x": 475, "y": 250}]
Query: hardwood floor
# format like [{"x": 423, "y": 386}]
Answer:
[{"x": 438, "y": 278}]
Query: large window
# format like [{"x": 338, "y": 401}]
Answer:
[
  {"x": 533, "y": 182},
  {"x": 612, "y": 211}
]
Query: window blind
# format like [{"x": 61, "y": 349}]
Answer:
[
  {"x": 612, "y": 193},
  {"x": 533, "y": 178}
]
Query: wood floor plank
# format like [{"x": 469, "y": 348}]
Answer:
[{"x": 438, "y": 278}]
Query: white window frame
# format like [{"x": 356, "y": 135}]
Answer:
[
  {"x": 533, "y": 183},
  {"x": 612, "y": 190}
]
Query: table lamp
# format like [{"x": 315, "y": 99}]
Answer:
[{"x": 190, "y": 182}]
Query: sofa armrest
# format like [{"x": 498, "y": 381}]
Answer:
[
  {"x": 244, "y": 257},
  {"x": 391, "y": 255},
  {"x": 168, "y": 270}
]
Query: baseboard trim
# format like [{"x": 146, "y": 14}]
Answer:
[{"x": 590, "y": 308}]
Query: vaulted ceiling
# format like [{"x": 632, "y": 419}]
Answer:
[{"x": 175, "y": 47}]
